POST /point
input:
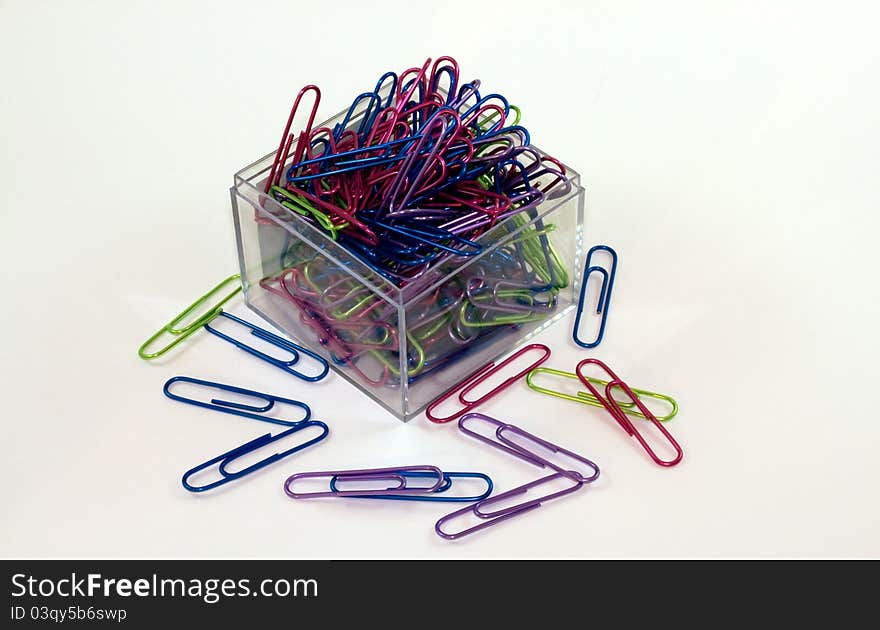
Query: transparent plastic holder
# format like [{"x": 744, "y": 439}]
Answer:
[{"x": 404, "y": 346}]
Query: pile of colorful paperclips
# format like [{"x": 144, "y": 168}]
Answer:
[
  {"x": 414, "y": 175},
  {"x": 511, "y": 286},
  {"x": 420, "y": 173},
  {"x": 430, "y": 166}
]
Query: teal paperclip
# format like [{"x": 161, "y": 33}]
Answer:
[
  {"x": 589, "y": 399},
  {"x": 179, "y": 332}
]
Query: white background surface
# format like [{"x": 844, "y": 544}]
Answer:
[{"x": 730, "y": 152}]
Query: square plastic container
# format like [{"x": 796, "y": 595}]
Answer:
[{"x": 405, "y": 345}]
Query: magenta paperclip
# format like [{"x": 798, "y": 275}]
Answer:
[
  {"x": 612, "y": 406},
  {"x": 395, "y": 475},
  {"x": 475, "y": 378}
]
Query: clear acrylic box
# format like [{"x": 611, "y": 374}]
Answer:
[{"x": 404, "y": 346}]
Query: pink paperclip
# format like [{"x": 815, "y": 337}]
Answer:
[
  {"x": 287, "y": 137},
  {"x": 475, "y": 378},
  {"x": 613, "y": 407}
]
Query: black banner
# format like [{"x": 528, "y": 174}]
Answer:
[{"x": 237, "y": 593}]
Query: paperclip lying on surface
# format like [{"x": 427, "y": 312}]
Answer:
[
  {"x": 589, "y": 399},
  {"x": 613, "y": 407},
  {"x": 230, "y": 456},
  {"x": 250, "y": 411},
  {"x": 504, "y": 432},
  {"x": 239, "y": 409},
  {"x": 498, "y": 516},
  {"x": 603, "y": 303},
  {"x": 183, "y": 332},
  {"x": 436, "y": 495},
  {"x": 397, "y": 475},
  {"x": 475, "y": 378},
  {"x": 278, "y": 342}
]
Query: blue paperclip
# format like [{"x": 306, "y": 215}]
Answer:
[
  {"x": 604, "y": 301},
  {"x": 278, "y": 342},
  {"x": 239, "y": 409},
  {"x": 447, "y": 483},
  {"x": 226, "y": 458}
]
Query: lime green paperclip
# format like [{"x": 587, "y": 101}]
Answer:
[
  {"x": 535, "y": 255},
  {"x": 431, "y": 327},
  {"x": 304, "y": 208},
  {"x": 395, "y": 368},
  {"x": 179, "y": 332},
  {"x": 486, "y": 123},
  {"x": 497, "y": 320},
  {"x": 588, "y": 399}
]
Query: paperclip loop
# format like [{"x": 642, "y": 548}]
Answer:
[
  {"x": 183, "y": 332},
  {"x": 504, "y": 432},
  {"x": 228, "y": 457},
  {"x": 436, "y": 495},
  {"x": 612, "y": 406},
  {"x": 278, "y": 342},
  {"x": 604, "y": 301},
  {"x": 236, "y": 408},
  {"x": 397, "y": 475},
  {"x": 589, "y": 399},
  {"x": 480, "y": 375},
  {"x": 499, "y": 516}
]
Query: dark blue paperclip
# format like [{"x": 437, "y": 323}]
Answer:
[
  {"x": 247, "y": 411},
  {"x": 423, "y": 235},
  {"x": 368, "y": 115},
  {"x": 446, "y": 485},
  {"x": 604, "y": 301},
  {"x": 235, "y": 408},
  {"x": 226, "y": 458},
  {"x": 278, "y": 342}
]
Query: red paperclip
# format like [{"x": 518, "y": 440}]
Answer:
[
  {"x": 475, "y": 378},
  {"x": 287, "y": 137},
  {"x": 613, "y": 407}
]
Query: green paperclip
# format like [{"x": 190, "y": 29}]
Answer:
[
  {"x": 304, "y": 208},
  {"x": 534, "y": 253},
  {"x": 395, "y": 369},
  {"x": 182, "y": 333},
  {"x": 588, "y": 399},
  {"x": 499, "y": 320},
  {"x": 432, "y": 327},
  {"x": 340, "y": 314},
  {"x": 487, "y": 122}
]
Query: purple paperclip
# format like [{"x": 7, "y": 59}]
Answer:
[
  {"x": 493, "y": 518},
  {"x": 512, "y": 449},
  {"x": 518, "y": 450},
  {"x": 554, "y": 448},
  {"x": 368, "y": 474}
]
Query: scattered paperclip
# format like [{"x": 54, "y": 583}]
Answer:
[
  {"x": 245, "y": 410},
  {"x": 613, "y": 406},
  {"x": 437, "y": 495},
  {"x": 279, "y": 342},
  {"x": 480, "y": 375},
  {"x": 499, "y": 516},
  {"x": 504, "y": 434},
  {"x": 396, "y": 475},
  {"x": 179, "y": 331},
  {"x": 228, "y": 457},
  {"x": 589, "y": 399},
  {"x": 603, "y": 301}
]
